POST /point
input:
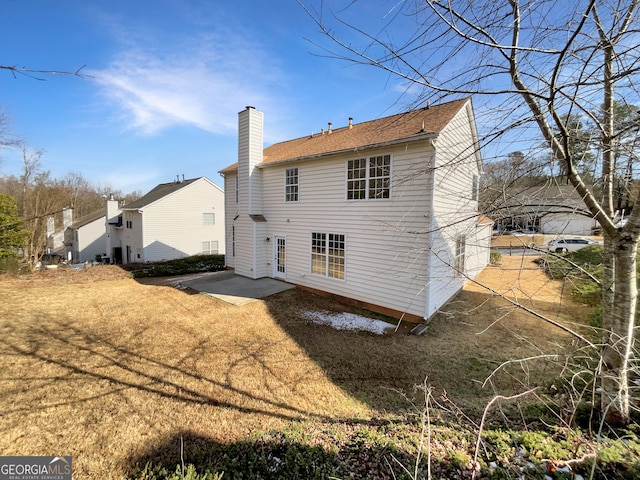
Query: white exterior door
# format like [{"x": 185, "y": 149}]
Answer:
[{"x": 280, "y": 270}]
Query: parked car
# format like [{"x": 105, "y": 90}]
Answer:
[
  {"x": 563, "y": 245},
  {"x": 51, "y": 259}
]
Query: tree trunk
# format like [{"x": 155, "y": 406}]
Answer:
[
  {"x": 618, "y": 321},
  {"x": 608, "y": 273}
]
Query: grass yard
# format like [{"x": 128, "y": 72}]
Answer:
[{"x": 115, "y": 373}]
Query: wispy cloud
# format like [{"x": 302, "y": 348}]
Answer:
[{"x": 201, "y": 79}]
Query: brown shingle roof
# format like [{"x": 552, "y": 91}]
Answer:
[{"x": 404, "y": 126}]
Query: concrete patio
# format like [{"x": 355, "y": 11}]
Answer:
[{"x": 225, "y": 285}]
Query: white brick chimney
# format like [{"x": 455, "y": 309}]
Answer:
[
  {"x": 250, "y": 145},
  {"x": 112, "y": 212}
]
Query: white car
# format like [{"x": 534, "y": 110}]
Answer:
[{"x": 563, "y": 245}]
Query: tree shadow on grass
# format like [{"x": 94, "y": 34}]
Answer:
[{"x": 93, "y": 357}]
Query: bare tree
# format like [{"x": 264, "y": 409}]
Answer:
[
  {"x": 533, "y": 64},
  {"x": 6, "y": 137}
]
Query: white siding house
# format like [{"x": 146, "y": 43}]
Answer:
[
  {"x": 174, "y": 220},
  {"x": 383, "y": 213},
  {"x": 89, "y": 237}
]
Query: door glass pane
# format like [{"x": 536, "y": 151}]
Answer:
[{"x": 280, "y": 255}]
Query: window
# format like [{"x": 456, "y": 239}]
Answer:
[
  {"x": 357, "y": 179},
  {"x": 129, "y": 224},
  {"x": 291, "y": 185},
  {"x": 369, "y": 178},
  {"x": 210, "y": 247},
  {"x": 379, "y": 176},
  {"x": 236, "y": 188},
  {"x": 233, "y": 240},
  {"x": 208, "y": 219},
  {"x": 328, "y": 254},
  {"x": 461, "y": 241},
  {"x": 474, "y": 187}
]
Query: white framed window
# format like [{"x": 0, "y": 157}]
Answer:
[
  {"x": 461, "y": 245},
  {"x": 233, "y": 240},
  {"x": 208, "y": 219},
  {"x": 328, "y": 254},
  {"x": 357, "y": 179},
  {"x": 291, "y": 185},
  {"x": 210, "y": 247},
  {"x": 475, "y": 180},
  {"x": 369, "y": 178}
]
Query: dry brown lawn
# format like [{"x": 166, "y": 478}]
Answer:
[{"x": 100, "y": 367}]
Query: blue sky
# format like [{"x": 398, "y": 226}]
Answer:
[{"x": 166, "y": 79}]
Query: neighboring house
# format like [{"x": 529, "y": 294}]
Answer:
[
  {"x": 56, "y": 233},
  {"x": 174, "y": 220},
  {"x": 383, "y": 213},
  {"x": 89, "y": 237},
  {"x": 86, "y": 237},
  {"x": 549, "y": 208}
]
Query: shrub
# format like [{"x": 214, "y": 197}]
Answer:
[
  {"x": 178, "y": 266},
  {"x": 11, "y": 265}
]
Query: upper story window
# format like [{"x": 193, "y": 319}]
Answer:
[
  {"x": 369, "y": 178},
  {"x": 208, "y": 219},
  {"x": 291, "y": 185}
]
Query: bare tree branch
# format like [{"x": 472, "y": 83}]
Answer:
[{"x": 37, "y": 74}]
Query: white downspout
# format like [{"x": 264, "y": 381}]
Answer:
[{"x": 427, "y": 287}]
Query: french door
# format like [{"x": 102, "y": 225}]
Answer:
[{"x": 280, "y": 270}]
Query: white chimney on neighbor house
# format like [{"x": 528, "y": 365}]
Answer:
[
  {"x": 51, "y": 230},
  {"x": 111, "y": 221},
  {"x": 112, "y": 210},
  {"x": 250, "y": 145},
  {"x": 67, "y": 217}
]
